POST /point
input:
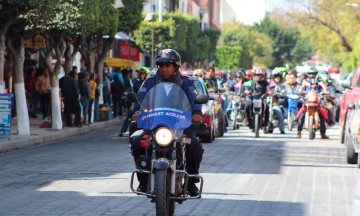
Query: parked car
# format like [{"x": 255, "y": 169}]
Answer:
[
  {"x": 208, "y": 112},
  {"x": 349, "y": 98},
  {"x": 352, "y": 134}
]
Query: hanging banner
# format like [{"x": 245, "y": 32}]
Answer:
[{"x": 5, "y": 115}]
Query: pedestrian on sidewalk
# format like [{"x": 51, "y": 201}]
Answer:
[
  {"x": 128, "y": 88},
  {"x": 96, "y": 100},
  {"x": 42, "y": 86},
  {"x": 85, "y": 91},
  {"x": 93, "y": 88},
  {"x": 117, "y": 91},
  {"x": 70, "y": 92}
]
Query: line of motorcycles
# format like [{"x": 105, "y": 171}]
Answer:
[
  {"x": 312, "y": 100},
  {"x": 164, "y": 115}
]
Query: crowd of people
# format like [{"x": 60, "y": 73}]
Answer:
[
  {"x": 80, "y": 92},
  {"x": 276, "y": 83}
]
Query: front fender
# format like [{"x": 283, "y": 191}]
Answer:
[{"x": 161, "y": 164}]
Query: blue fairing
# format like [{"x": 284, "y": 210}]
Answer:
[
  {"x": 166, "y": 104},
  {"x": 171, "y": 118}
]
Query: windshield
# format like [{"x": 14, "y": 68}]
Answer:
[{"x": 166, "y": 104}]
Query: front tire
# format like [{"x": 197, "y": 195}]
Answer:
[
  {"x": 235, "y": 120},
  {"x": 311, "y": 128},
  {"x": 342, "y": 130},
  {"x": 256, "y": 125},
  {"x": 351, "y": 155},
  {"x": 164, "y": 206},
  {"x": 291, "y": 121}
]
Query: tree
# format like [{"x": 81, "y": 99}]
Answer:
[
  {"x": 163, "y": 35},
  {"x": 54, "y": 19},
  {"x": 105, "y": 20},
  {"x": 9, "y": 17},
  {"x": 283, "y": 39},
  {"x": 330, "y": 27},
  {"x": 10, "y": 10},
  {"x": 180, "y": 32},
  {"x": 257, "y": 47},
  {"x": 228, "y": 57},
  {"x": 301, "y": 51}
]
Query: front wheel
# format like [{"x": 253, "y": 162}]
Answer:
[
  {"x": 257, "y": 125},
  {"x": 351, "y": 155},
  {"x": 235, "y": 119},
  {"x": 164, "y": 206},
  {"x": 311, "y": 128},
  {"x": 291, "y": 121}
]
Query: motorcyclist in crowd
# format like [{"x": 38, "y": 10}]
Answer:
[
  {"x": 142, "y": 75},
  {"x": 325, "y": 78},
  {"x": 292, "y": 86},
  {"x": 236, "y": 88},
  {"x": 308, "y": 84},
  {"x": 301, "y": 77},
  {"x": 278, "y": 97},
  {"x": 168, "y": 62},
  {"x": 259, "y": 87},
  {"x": 212, "y": 83},
  {"x": 137, "y": 82}
]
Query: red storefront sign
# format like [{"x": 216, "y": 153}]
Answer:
[{"x": 128, "y": 52}]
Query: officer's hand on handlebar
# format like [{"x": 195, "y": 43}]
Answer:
[
  {"x": 134, "y": 117},
  {"x": 196, "y": 118}
]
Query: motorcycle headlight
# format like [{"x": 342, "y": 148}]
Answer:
[
  {"x": 312, "y": 98},
  {"x": 236, "y": 98},
  {"x": 163, "y": 136}
]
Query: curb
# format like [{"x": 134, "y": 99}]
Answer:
[{"x": 55, "y": 135}]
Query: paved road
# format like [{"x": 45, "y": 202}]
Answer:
[{"x": 272, "y": 175}]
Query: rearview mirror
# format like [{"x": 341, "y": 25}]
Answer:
[
  {"x": 346, "y": 85},
  {"x": 201, "y": 99},
  {"x": 131, "y": 96}
]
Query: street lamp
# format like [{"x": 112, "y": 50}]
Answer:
[{"x": 150, "y": 17}]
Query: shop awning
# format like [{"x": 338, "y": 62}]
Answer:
[{"x": 119, "y": 62}]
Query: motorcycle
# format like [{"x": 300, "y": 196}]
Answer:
[
  {"x": 258, "y": 114},
  {"x": 312, "y": 119},
  {"x": 164, "y": 114},
  {"x": 238, "y": 111},
  {"x": 328, "y": 102},
  {"x": 291, "y": 111}
]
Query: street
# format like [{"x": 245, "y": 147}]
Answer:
[{"x": 272, "y": 175}]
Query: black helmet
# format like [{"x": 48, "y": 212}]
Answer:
[
  {"x": 312, "y": 70},
  {"x": 168, "y": 56},
  {"x": 240, "y": 73}
]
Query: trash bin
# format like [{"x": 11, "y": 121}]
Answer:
[{"x": 105, "y": 113}]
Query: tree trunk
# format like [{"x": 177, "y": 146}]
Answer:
[
  {"x": 104, "y": 49},
  {"x": 17, "y": 51},
  {"x": 88, "y": 52},
  {"x": 55, "y": 103},
  {"x": 69, "y": 59},
  {"x": 2, "y": 62},
  {"x": 55, "y": 42},
  {"x": 90, "y": 64}
]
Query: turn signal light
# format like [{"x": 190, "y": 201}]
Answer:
[{"x": 144, "y": 143}]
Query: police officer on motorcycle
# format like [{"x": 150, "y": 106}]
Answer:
[
  {"x": 311, "y": 83},
  {"x": 168, "y": 62}
]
